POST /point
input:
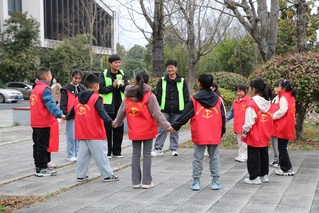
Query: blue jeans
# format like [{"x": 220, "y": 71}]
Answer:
[{"x": 72, "y": 145}]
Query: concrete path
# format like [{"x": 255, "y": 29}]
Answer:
[{"x": 172, "y": 178}]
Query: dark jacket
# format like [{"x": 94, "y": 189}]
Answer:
[
  {"x": 84, "y": 97},
  {"x": 64, "y": 96},
  {"x": 171, "y": 103},
  {"x": 207, "y": 98},
  {"x": 116, "y": 103}
]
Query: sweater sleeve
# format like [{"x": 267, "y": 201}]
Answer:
[
  {"x": 184, "y": 117},
  {"x": 250, "y": 117},
  {"x": 283, "y": 103},
  {"x": 121, "y": 114},
  {"x": 155, "y": 111}
]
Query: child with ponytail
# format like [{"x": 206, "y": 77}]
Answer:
[
  {"x": 142, "y": 111},
  {"x": 257, "y": 130}
]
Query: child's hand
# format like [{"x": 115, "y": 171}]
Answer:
[
  {"x": 113, "y": 124},
  {"x": 171, "y": 129},
  {"x": 63, "y": 117}
]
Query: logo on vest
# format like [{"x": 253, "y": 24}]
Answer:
[
  {"x": 134, "y": 111},
  {"x": 33, "y": 99},
  {"x": 263, "y": 118},
  {"x": 81, "y": 108},
  {"x": 243, "y": 107}
]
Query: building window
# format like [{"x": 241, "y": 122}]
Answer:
[{"x": 14, "y": 6}]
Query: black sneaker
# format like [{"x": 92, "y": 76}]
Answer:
[
  {"x": 82, "y": 179},
  {"x": 111, "y": 178},
  {"x": 45, "y": 172}
]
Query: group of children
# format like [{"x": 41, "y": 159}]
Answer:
[{"x": 254, "y": 121}]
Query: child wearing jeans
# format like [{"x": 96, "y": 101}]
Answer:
[
  {"x": 285, "y": 120},
  {"x": 43, "y": 114},
  {"x": 206, "y": 112},
  {"x": 142, "y": 111},
  {"x": 257, "y": 131},
  {"x": 237, "y": 112},
  {"x": 89, "y": 117}
]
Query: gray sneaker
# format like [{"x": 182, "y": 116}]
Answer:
[
  {"x": 45, "y": 172},
  {"x": 157, "y": 152},
  {"x": 290, "y": 172},
  {"x": 111, "y": 178}
]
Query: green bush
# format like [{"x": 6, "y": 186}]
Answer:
[
  {"x": 228, "y": 97},
  {"x": 228, "y": 80},
  {"x": 303, "y": 70}
]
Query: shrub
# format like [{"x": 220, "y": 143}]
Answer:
[
  {"x": 302, "y": 69},
  {"x": 228, "y": 80},
  {"x": 228, "y": 97}
]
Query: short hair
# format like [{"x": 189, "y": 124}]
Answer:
[
  {"x": 90, "y": 80},
  {"x": 114, "y": 58},
  {"x": 206, "y": 80},
  {"x": 171, "y": 62},
  {"x": 76, "y": 72},
  {"x": 41, "y": 72},
  {"x": 241, "y": 87}
]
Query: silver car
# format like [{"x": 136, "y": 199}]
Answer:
[
  {"x": 10, "y": 95},
  {"x": 25, "y": 88}
]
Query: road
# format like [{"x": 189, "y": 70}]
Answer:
[{"x": 7, "y": 106}]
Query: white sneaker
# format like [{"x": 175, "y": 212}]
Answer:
[
  {"x": 240, "y": 159},
  {"x": 173, "y": 153},
  {"x": 147, "y": 186},
  {"x": 256, "y": 181},
  {"x": 72, "y": 159},
  {"x": 264, "y": 179},
  {"x": 157, "y": 152}
]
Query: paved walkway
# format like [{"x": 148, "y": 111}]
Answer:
[{"x": 172, "y": 178}]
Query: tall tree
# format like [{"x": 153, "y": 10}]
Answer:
[
  {"x": 19, "y": 58},
  {"x": 260, "y": 21}
]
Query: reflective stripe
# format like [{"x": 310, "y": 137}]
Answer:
[
  {"x": 179, "y": 86},
  {"x": 108, "y": 98}
]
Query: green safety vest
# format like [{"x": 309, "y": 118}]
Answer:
[
  {"x": 108, "y": 98},
  {"x": 180, "y": 94}
]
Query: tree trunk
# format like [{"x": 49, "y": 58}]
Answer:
[
  {"x": 191, "y": 48},
  {"x": 301, "y": 25}
]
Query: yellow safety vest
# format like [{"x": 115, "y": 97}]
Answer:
[
  {"x": 180, "y": 94},
  {"x": 108, "y": 98}
]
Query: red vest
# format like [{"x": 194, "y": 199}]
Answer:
[
  {"x": 39, "y": 114},
  {"x": 141, "y": 124},
  {"x": 41, "y": 117},
  {"x": 71, "y": 100},
  {"x": 274, "y": 108},
  {"x": 260, "y": 132},
  {"x": 88, "y": 125},
  {"x": 206, "y": 124},
  {"x": 286, "y": 124},
  {"x": 239, "y": 112}
]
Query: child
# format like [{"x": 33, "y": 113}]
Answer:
[
  {"x": 68, "y": 94},
  {"x": 237, "y": 112},
  {"x": 43, "y": 113},
  {"x": 274, "y": 139},
  {"x": 56, "y": 87},
  {"x": 89, "y": 116},
  {"x": 257, "y": 131},
  {"x": 215, "y": 89},
  {"x": 142, "y": 111},
  {"x": 207, "y": 126},
  {"x": 284, "y": 119}
]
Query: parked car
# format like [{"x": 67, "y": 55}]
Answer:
[
  {"x": 10, "y": 95},
  {"x": 25, "y": 88}
]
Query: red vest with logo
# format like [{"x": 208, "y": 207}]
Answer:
[
  {"x": 206, "y": 124},
  {"x": 71, "y": 100},
  {"x": 40, "y": 115},
  {"x": 286, "y": 124},
  {"x": 260, "y": 133},
  {"x": 141, "y": 124},
  {"x": 239, "y": 112},
  {"x": 88, "y": 125}
]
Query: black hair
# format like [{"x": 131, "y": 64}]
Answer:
[
  {"x": 141, "y": 78},
  {"x": 277, "y": 83},
  {"x": 114, "y": 58},
  {"x": 241, "y": 87},
  {"x": 171, "y": 62},
  {"x": 216, "y": 90},
  {"x": 90, "y": 80},
  {"x": 287, "y": 86},
  {"x": 76, "y": 72},
  {"x": 41, "y": 72},
  {"x": 206, "y": 80},
  {"x": 261, "y": 88}
]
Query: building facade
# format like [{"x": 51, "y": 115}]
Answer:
[{"x": 61, "y": 19}]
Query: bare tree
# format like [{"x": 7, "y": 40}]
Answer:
[
  {"x": 260, "y": 23},
  {"x": 199, "y": 27},
  {"x": 301, "y": 25}
]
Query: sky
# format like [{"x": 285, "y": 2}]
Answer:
[{"x": 126, "y": 32}]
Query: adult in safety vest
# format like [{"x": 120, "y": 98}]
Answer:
[
  {"x": 112, "y": 86},
  {"x": 172, "y": 95}
]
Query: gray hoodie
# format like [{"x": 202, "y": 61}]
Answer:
[
  {"x": 153, "y": 107},
  {"x": 251, "y": 115}
]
